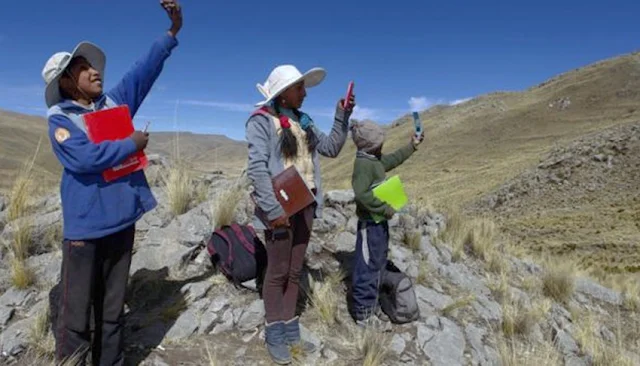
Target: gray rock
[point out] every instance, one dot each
(339, 198)
(154, 360)
(39, 225)
(310, 337)
(487, 309)
(157, 218)
(481, 354)
(15, 339)
(219, 303)
(157, 253)
(252, 316)
(190, 229)
(401, 256)
(185, 326)
(3, 202)
(316, 245)
(196, 291)
(442, 341)
(606, 334)
(394, 222)
(241, 352)
(343, 242)
(6, 313)
(568, 347)
(331, 221)
(329, 355)
(598, 292)
(46, 267)
(226, 324)
(398, 344)
(16, 298)
(352, 225)
(460, 275)
(430, 301)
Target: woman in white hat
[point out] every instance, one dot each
(98, 216)
(280, 135)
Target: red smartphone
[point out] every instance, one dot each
(348, 97)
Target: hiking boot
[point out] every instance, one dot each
(275, 339)
(292, 332)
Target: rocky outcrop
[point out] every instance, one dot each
(177, 300)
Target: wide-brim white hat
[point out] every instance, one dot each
(57, 63)
(283, 77)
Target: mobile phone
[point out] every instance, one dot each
(349, 93)
(417, 123)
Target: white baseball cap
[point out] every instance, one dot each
(57, 63)
(283, 77)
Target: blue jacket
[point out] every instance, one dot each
(91, 207)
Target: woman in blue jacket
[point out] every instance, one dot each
(99, 217)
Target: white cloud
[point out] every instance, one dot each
(361, 113)
(226, 106)
(460, 101)
(422, 103)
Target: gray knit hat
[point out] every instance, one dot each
(367, 136)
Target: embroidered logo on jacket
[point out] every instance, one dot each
(62, 134)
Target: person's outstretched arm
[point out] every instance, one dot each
(391, 161)
(137, 82)
(331, 145)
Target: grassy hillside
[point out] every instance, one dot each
(20, 135)
(473, 147)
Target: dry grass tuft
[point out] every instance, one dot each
(21, 244)
(40, 337)
(325, 299)
(372, 346)
(591, 342)
(224, 206)
(179, 189)
(480, 238)
(631, 294)
(516, 320)
(423, 273)
(22, 277)
(513, 353)
(22, 189)
(412, 239)
(558, 281)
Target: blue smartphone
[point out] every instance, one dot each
(417, 124)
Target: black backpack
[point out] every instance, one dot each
(238, 252)
(396, 295)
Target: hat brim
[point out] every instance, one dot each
(311, 78)
(94, 55)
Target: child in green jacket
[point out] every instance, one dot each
(372, 241)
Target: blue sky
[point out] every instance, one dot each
(401, 54)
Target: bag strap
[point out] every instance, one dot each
(243, 239)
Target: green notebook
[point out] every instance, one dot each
(391, 192)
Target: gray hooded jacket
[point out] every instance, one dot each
(265, 160)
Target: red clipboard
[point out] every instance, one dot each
(111, 125)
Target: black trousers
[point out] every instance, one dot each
(94, 273)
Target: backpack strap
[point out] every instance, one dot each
(264, 111)
(243, 239)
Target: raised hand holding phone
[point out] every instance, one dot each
(349, 102)
(417, 123)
